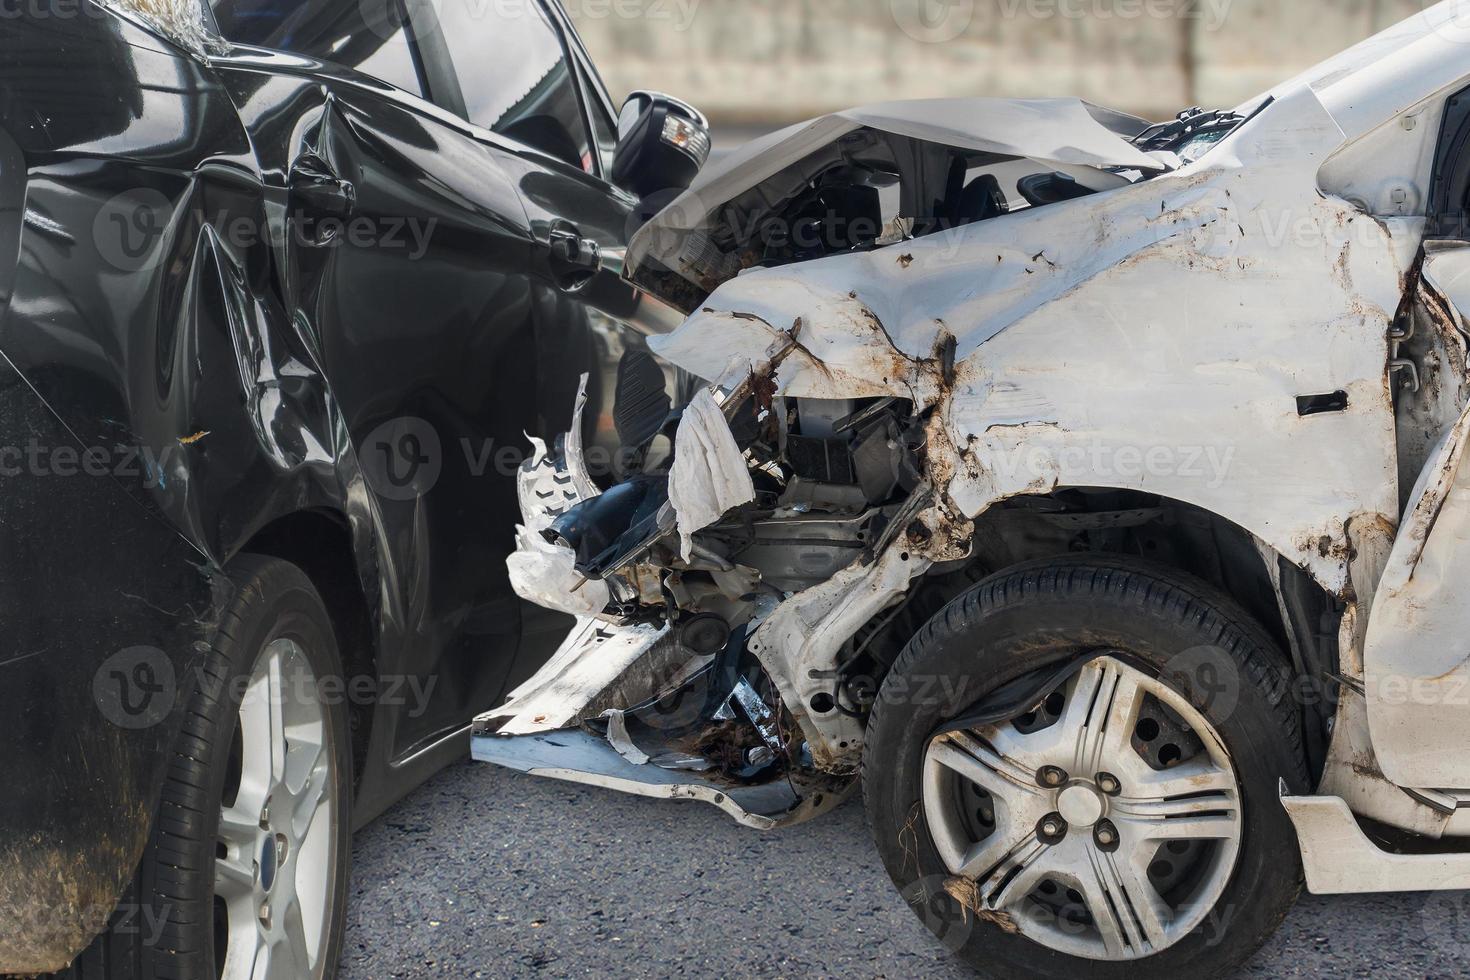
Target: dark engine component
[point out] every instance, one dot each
(822, 460)
(603, 529)
(1040, 190)
(643, 402)
(704, 634)
(839, 219)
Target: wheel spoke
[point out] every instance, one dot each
(263, 967)
(234, 876)
(1101, 714)
(1195, 801)
(1130, 915)
(308, 801)
(238, 829)
(256, 780)
(1194, 777)
(1017, 876)
(998, 774)
(1205, 826)
(277, 734)
(987, 855)
(295, 941)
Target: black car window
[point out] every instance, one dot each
(369, 36)
(515, 75)
(603, 126)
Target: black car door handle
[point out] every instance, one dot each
(320, 193)
(575, 252)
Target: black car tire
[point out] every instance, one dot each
(1038, 618)
(174, 935)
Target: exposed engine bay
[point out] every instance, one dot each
(743, 592)
(670, 604)
(866, 178)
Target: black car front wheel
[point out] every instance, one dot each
(245, 874)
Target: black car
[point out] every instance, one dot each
(285, 285)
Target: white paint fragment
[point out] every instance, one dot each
(709, 477)
(181, 21)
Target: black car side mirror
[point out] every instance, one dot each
(662, 144)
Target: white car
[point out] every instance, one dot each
(1088, 490)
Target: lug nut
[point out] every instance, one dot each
(1051, 829)
(265, 915)
(1051, 776)
(1109, 783)
(1106, 835)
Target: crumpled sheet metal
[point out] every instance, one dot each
(1417, 671)
(800, 642)
(1064, 132)
(709, 477)
(590, 660)
(1154, 337)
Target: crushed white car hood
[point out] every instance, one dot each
(1063, 132)
(1159, 314)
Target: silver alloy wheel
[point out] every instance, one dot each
(1104, 824)
(275, 866)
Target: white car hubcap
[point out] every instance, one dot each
(1105, 823)
(276, 856)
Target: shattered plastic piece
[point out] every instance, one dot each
(576, 461)
(546, 574)
(181, 21)
(709, 476)
(590, 659)
(618, 738)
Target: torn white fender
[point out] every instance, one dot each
(546, 574)
(709, 477)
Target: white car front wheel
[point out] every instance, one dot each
(1073, 770)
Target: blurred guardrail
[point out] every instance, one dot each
(771, 61)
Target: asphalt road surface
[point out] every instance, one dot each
(488, 873)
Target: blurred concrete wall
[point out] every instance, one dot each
(764, 61)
